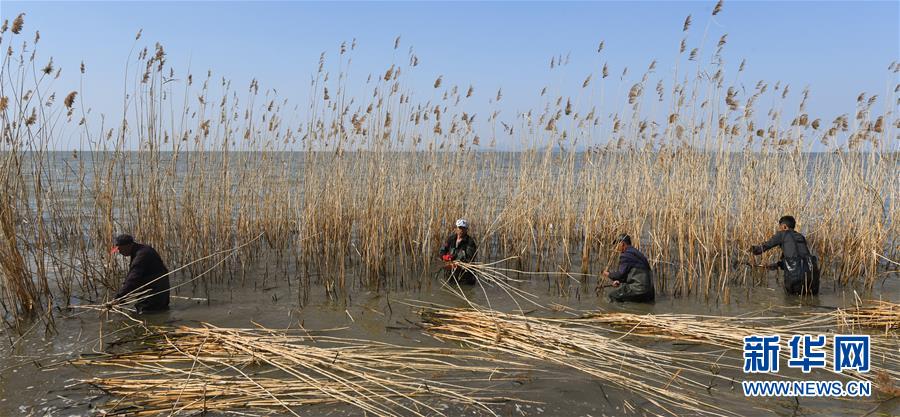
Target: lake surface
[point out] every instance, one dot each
(29, 385)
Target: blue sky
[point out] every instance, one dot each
(839, 49)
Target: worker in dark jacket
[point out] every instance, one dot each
(144, 274)
(634, 278)
(459, 247)
(801, 269)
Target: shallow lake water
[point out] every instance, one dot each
(34, 382)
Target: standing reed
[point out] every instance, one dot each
(194, 163)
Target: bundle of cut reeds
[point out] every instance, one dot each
(729, 332)
(875, 313)
(218, 369)
(668, 381)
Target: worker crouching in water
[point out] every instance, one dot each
(634, 278)
(459, 247)
(146, 273)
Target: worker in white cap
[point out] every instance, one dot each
(459, 247)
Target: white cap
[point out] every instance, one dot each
(462, 223)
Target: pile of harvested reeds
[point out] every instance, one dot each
(876, 313)
(729, 332)
(670, 382)
(219, 369)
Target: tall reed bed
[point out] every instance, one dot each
(690, 164)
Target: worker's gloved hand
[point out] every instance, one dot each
(616, 283)
(757, 250)
(447, 258)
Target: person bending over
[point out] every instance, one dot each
(801, 269)
(634, 278)
(146, 273)
(459, 247)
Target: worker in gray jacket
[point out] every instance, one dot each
(801, 269)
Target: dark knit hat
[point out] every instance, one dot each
(622, 238)
(123, 239)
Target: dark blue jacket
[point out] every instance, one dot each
(631, 258)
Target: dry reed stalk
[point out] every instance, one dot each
(190, 165)
(210, 368)
(729, 332)
(664, 379)
(492, 275)
(874, 313)
(579, 343)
